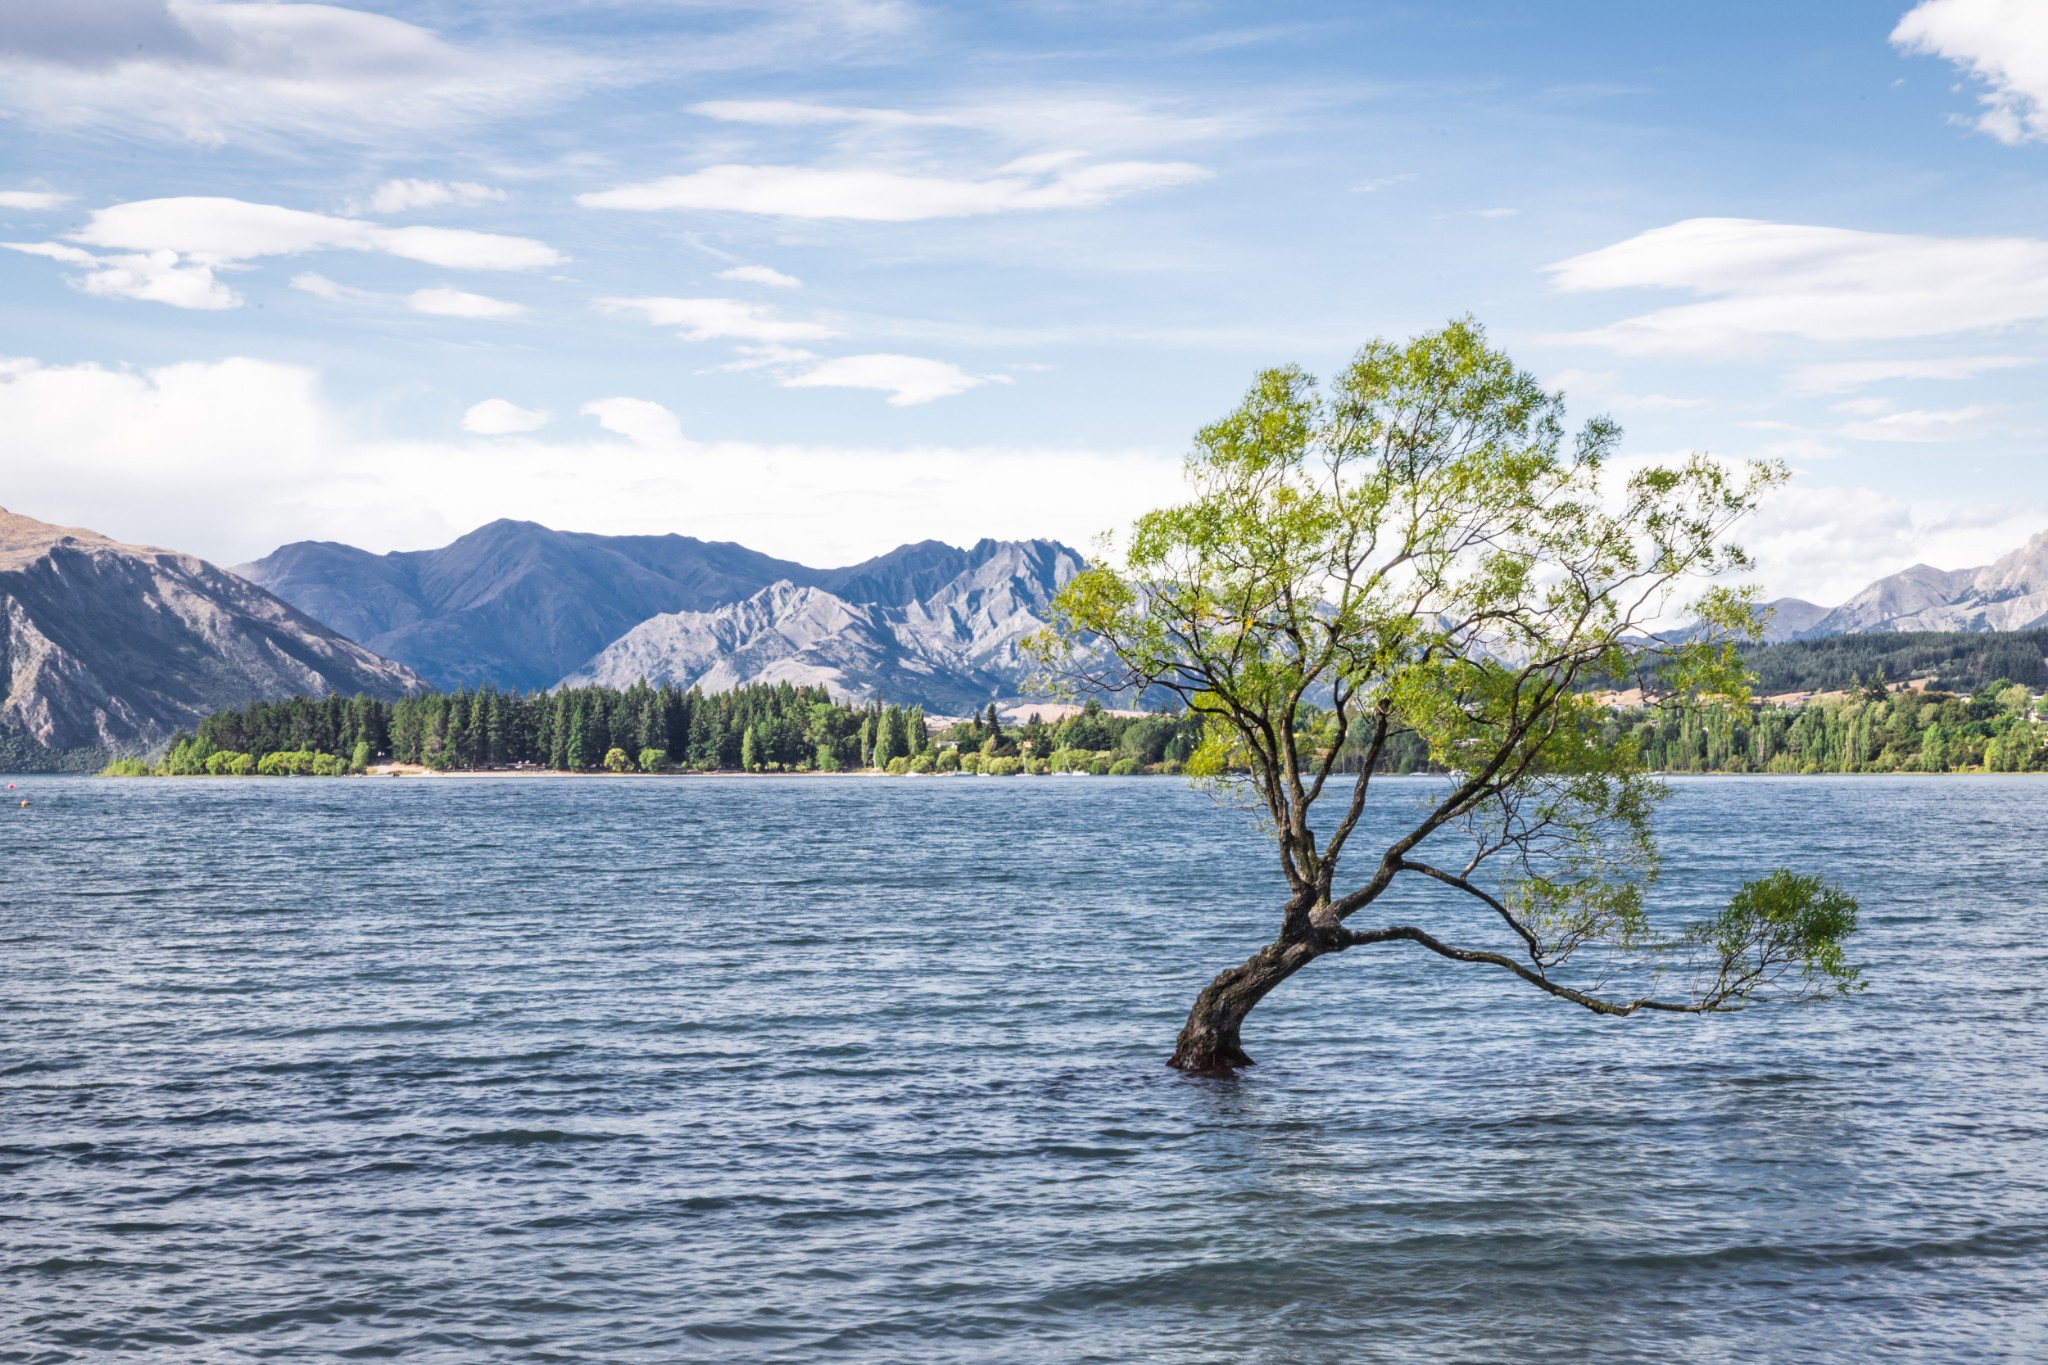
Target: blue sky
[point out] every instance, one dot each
(824, 277)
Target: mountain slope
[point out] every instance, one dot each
(520, 605)
(111, 647)
(2009, 594)
(511, 603)
(952, 651)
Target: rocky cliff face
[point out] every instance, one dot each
(112, 647)
(951, 650)
(511, 603)
(2010, 594)
(519, 605)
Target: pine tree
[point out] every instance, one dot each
(750, 751)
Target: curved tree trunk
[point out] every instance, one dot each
(1209, 1040)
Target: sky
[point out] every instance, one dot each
(826, 276)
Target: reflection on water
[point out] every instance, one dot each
(763, 1070)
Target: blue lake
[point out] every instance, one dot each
(651, 1070)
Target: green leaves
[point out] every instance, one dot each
(1416, 550)
(1780, 926)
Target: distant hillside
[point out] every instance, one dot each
(952, 646)
(1961, 661)
(2007, 595)
(519, 605)
(107, 648)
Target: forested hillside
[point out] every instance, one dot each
(1960, 661)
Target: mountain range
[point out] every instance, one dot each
(518, 605)
(106, 647)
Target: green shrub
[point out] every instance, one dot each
(922, 763)
(651, 760)
(1125, 767)
(972, 763)
(1098, 766)
(222, 762)
(359, 761)
(127, 767)
(1003, 767)
(243, 766)
(948, 761)
(898, 766)
(615, 761)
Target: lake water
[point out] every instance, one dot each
(552, 1070)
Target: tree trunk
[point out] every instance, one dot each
(1209, 1041)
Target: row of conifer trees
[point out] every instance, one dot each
(760, 726)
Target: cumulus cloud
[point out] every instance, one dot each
(760, 274)
(172, 247)
(32, 201)
(1768, 281)
(402, 196)
(230, 458)
(502, 417)
(1053, 181)
(2002, 43)
(716, 319)
(907, 379)
(455, 303)
(266, 72)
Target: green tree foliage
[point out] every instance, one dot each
(1418, 549)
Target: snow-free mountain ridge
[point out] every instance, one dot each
(519, 605)
(108, 648)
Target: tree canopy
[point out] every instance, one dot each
(1417, 548)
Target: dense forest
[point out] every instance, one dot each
(759, 728)
(1950, 660)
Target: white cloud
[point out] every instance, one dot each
(155, 276)
(502, 417)
(1922, 424)
(319, 286)
(1767, 281)
(401, 196)
(264, 72)
(644, 423)
(713, 319)
(907, 379)
(1827, 543)
(1052, 181)
(2004, 44)
(1374, 186)
(174, 246)
(761, 274)
(1843, 375)
(32, 201)
(454, 303)
(218, 229)
(1495, 213)
(1603, 389)
(229, 458)
(1035, 119)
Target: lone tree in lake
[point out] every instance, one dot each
(1418, 548)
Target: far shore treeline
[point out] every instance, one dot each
(643, 728)
(1869, 728)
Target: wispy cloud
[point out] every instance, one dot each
(1841, 376)
(502, 417)
(760, 274)
(402, 196)
(32, 201)
(2003, 44)
(1054, 181)
(214, 72)
(907, 379)
(719, 319)
(1766, 281)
